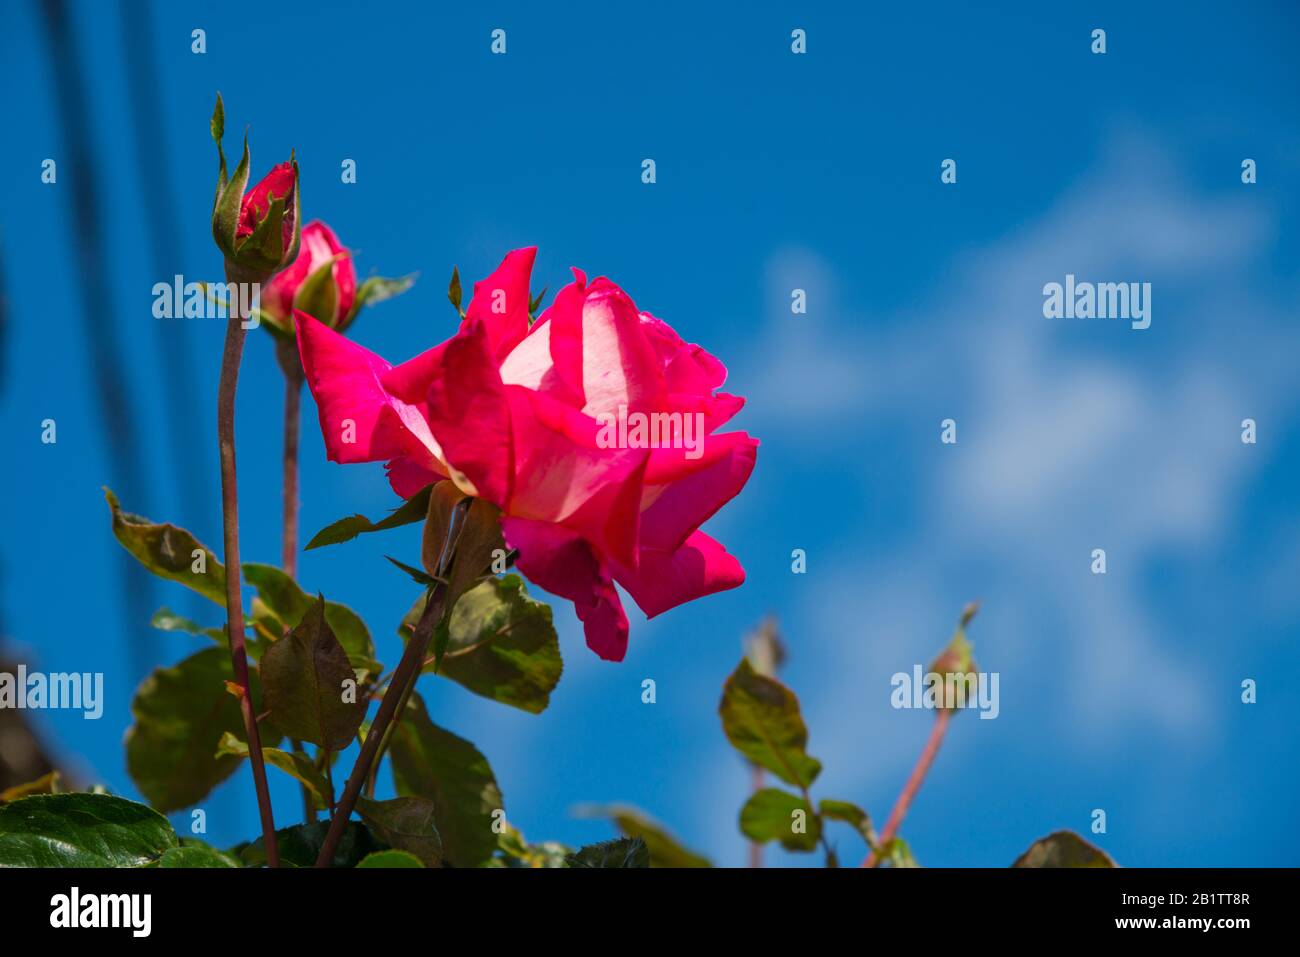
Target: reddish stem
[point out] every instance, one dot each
(913, 783)
(230, 360)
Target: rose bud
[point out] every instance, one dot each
(321, 282)
(257, 232)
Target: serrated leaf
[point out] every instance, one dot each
(168, 552)
(762, 721)
(501, 644)
(1064, 849)
(417, 576)
(306, 676)
(82, 830)
(299, 846)
(771, 814)
(196, 857)
(431, 762)
(180, 715)
(406, 823)
(412, 510)
(293, 763)
(289, 604)
(376, 289)
(620, 852)
(164, 619)
(850, 814)
(665, 850)
(390, 859)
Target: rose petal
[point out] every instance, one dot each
(359, 420)
(560, 561)
(666, 579)
(500, 302)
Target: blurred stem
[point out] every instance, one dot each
(289, 497)
(308, 805)
(408, 670)
(293, 377)
(913, 783)
(756, 784)
(230, 360)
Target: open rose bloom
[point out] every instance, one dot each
(519, 416)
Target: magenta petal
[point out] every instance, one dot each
(359, 420)
(563, 475)
(469, 414)
(681, 494)
(500, 302)
(560, 561)
(666, 579)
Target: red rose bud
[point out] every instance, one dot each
(321, 282)
(258, 233)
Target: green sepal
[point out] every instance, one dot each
(225, 215)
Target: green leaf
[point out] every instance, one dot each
(477, 542)
(390, 859)
(454, 290)
(895, 853)
(620, 852)
(378, 288)
(412, 510)
(196, 857)
(431, 762)
(300, 845)
(289, 604)
(308, 680)
(81, 830)
(850, 814)
(1064, 849)
(293, 763)
(762, 721)
(517, 852)
(407, 823)
(180, 715)
(169, 552)
(45, 784)
(775, 815)
(164, 619)
(665, 850)
(501, 644)
(537, 301)
(462, 539)
(419, 577)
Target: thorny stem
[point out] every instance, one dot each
(408, 669)
(913, 783)
(230, 359)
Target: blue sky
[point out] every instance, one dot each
(775, 171)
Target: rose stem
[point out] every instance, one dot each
(230, 359)
(289, 363)
(755, 848)
(913, 783)
(408, 669)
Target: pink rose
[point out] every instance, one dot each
(279, 183)
(594, 432)
(332, 303)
